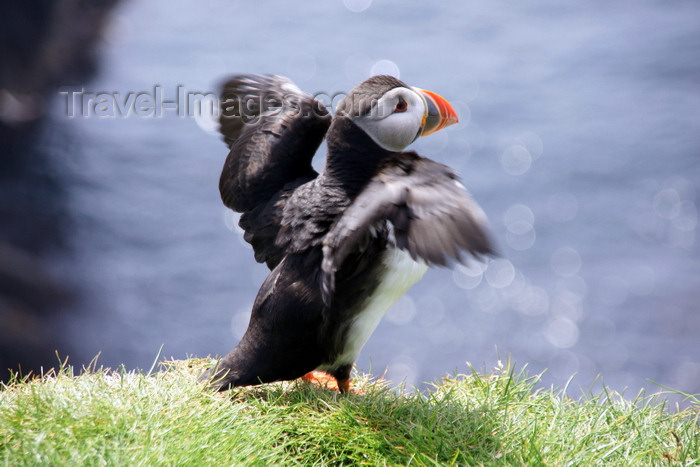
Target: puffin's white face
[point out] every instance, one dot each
(396, 119)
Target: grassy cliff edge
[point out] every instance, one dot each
(106, 417)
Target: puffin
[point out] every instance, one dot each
(342, 245)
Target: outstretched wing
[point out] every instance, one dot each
(273, 130)
(433, 216)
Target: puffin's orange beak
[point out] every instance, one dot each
(438, 112)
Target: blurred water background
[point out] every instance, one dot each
(579, 135)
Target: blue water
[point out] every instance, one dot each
(579, 136)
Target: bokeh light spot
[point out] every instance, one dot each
(574, 284)
(567, 304)
(385, 67)
(687, 218)
(357, 6)
(562, 332)
(403, 311)
(565, 262)
(516, 160)
(402, 369)
(500, 273)
(532, 142)
(519, 220)
(533, 301)
(563, 364)
(518, 213)
(667, 203)
(468, 276)
(520, 236)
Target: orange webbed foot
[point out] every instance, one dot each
(327, 381)
(321, 379)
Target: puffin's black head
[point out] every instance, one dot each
(360, 100)
(394, 114)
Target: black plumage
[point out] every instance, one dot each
(328, 238)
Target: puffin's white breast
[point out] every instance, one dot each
(401, 272)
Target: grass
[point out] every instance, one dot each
(106, 417)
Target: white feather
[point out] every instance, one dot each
(401, 273)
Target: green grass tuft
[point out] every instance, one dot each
(106, 417)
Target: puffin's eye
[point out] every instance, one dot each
(401, 105)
